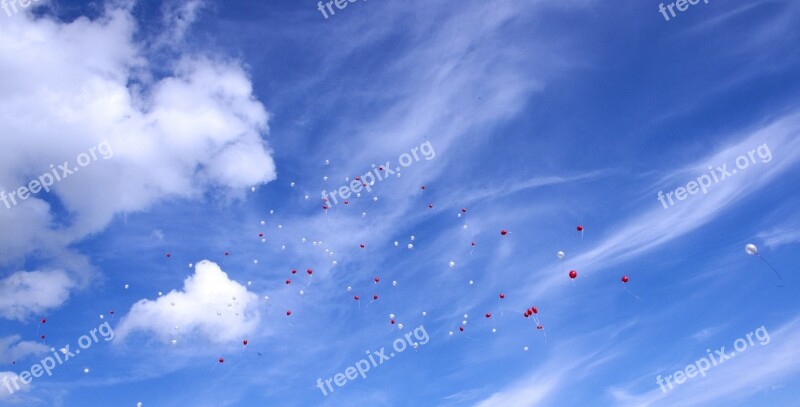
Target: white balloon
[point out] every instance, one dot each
(451, 333)
(391, 316)
(396, 243)
(424, 313)
(452, 264)
(394, 283)
(399, 326)
(410, 246)
(560, 255)
(525, 348)
(86, 370)
(751, 249)
(349, 289)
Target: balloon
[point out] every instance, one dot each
(221, 360)
(560, 254)
(394, 283)
(288, 313)
(355, 298)
(399, 326)
(377, 279)
(502, 296)
(430, 206)
(503, 232)
(751, 249)
(573, 274)
(580, 228)
(169, 255)
(288, 281)
(375, 297)
(244, 342)
(452, 264)
(461, 328)
(625, 279)
(488, 315)
(310, 272)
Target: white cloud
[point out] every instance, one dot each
(204, 294)
(11, 348)
(7, 381)
(33, 292)
(67, 87)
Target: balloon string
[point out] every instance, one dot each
(631, 293)
(773, 269)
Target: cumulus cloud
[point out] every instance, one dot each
(33, 292)
(175, 127)
(11, 348)
(7, 381)
(206, 293)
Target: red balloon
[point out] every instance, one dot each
(527, 314)
(624, 279)
(503, 232)
(226, 253)
(375, 297)
(44, 320)
(169, 255)
(391, 322)
(294, 271)
(288, 281)
(111, 312)
(324, 206)
(358, 178)
(423, 187)
(377, 279)
(310, 272)
(580, 228)
(42, 336)
(244, 342)
(488, 315)
(355, 298)
(539, 327)
(347, 202)
(502, 296)
(260, 235)
(534, 310)
(288, 313)
(362, 245)
(221, 360)
(461, 328)
(573, 274)
(473, 244)
(464, 210)
(430, 206)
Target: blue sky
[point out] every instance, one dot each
(214, 122)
